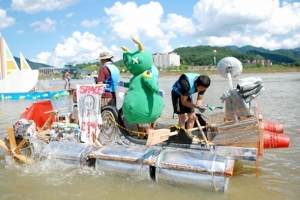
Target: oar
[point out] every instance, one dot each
(161, 135)
(3, 145)
(13, 146)
(22, 158)
(12, 138)
(21, 144)
(202, 133)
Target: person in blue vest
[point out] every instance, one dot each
(155, 73)
(183, 88)
(109, 75)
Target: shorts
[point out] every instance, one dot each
(177, 105)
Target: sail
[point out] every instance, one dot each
(8, 63)
(19, 81)
(23, 63)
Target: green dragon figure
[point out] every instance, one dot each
(142, 104)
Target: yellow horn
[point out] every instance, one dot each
(141, 48)
(125, 49)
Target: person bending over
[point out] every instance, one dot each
(183, 88)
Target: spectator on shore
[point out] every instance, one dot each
(74, 115)
(95, 79)
(67, 79)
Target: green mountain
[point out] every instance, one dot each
(279, 56)
(33, 65)
(203, 55)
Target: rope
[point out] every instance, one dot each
(126, 129)
(143, 133)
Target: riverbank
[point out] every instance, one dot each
(252, 70)
(245, 71)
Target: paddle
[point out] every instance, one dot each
(3, 145)
(13, 149)
(161, 135)
(202, 133)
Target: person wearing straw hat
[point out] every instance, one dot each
(109, 75)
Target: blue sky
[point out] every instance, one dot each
(58, 31)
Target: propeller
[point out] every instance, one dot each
(14, 149)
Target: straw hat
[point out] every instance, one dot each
(105, 55)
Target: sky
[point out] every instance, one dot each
(56, 32)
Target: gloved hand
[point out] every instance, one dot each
(161, 93)
(121, 83)
(200, 108)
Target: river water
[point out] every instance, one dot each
(279, 169)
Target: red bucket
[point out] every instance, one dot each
(272, 126)
(275, 140)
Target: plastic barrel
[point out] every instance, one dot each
(272, 126)
(275, 140)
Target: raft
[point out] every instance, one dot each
(204, 156)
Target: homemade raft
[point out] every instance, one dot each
(203, 156)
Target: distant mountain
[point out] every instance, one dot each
(202, 55)
(247, 48)
(276, 56)
(33, 65)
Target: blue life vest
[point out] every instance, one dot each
(191, 77)
(155, 73)
(112, 81)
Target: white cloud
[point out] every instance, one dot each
(128, 20)
(5, 21)
(261, 23)
(20, 31)
(246, 22)
(290, 43)
(34, 6)
(79, 47)
(47, 25)
(164, 46)
(90, 23)
(284, 20)
(179, 24)
(69, 15)
(43, 57)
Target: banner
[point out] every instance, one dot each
(89, 109)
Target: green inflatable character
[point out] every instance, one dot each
(142, 104)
